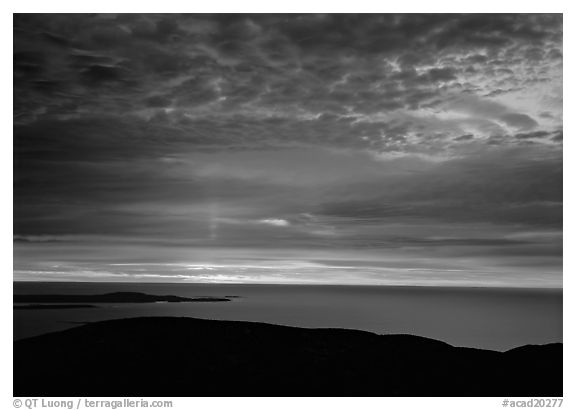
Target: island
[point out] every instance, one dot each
(52, 306)
(115, 297)
(177, 356)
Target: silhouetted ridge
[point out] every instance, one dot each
(169, 356)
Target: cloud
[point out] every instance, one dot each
(497, 187)
(179, 71)
(477, 107)
(518, 121)
(275, 222)
(346, 268)
(204, 131)
(465, 137)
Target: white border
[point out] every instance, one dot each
(292, 6)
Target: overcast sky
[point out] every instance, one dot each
(352, 149)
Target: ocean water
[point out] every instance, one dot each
(487, 318)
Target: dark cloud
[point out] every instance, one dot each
(465, 137)
(328, 63)
(501, 188)
(558, 136)
(192, 131)
(530, 135)
(519, 121)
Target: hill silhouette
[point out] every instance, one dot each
(171, 356)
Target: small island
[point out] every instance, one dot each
(37, 306)
(115, 297)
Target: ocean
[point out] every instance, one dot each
(486, 318)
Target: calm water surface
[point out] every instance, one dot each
(489, 318)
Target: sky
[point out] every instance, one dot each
(373, 149)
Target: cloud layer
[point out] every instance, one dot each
(435, 140)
